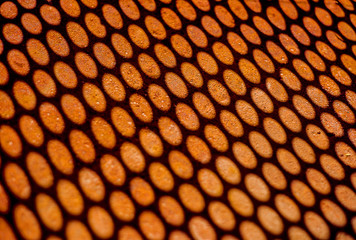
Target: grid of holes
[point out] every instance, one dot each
(251, 96)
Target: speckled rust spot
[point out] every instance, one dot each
(263, 26)
(186, 10)
(123, 122)
(250, 34)
(94, 24)
(10, 142)
(171, 18)
(73, 109)
(263, 61)
(211, 26)
(238, 9)
(200, 228)
(151, 142)
(216, 138)
(100, 222)
(277, 52)
(141, 108)
(130, 9)
(224, 16)
(86, 65)
(65, 75)
(249, 71)
(8, 10)
(317, 96)
(131, 76)
(12, 33)
(104, 55)
(219, 92)
(299, 33)
(304, 107)
(170, 131)
(103, 132)
(50, 14)
(149, 66)
(51, 118)
(94, 97)
(204, 106)
(237, 43)
(247, 112)
(4, 74)
(113, 87)
(132, 157)
(155, 27)
(303, 150)
(138, 36)
(26, 222)
(303, 69)
(44, 83)
(112, 16)
(207, 63)
(60, 156)
(165, 55)
(57, 43)
(17, 181)
(82, 146)
(91, 184)
(112, 170)
(18, 62)
(178, 235)
(176, 85)
(290, 119)
(181, 46)
(31, 131)
(234, 82)
(77, 34)
(289, 44)
(70, 7)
